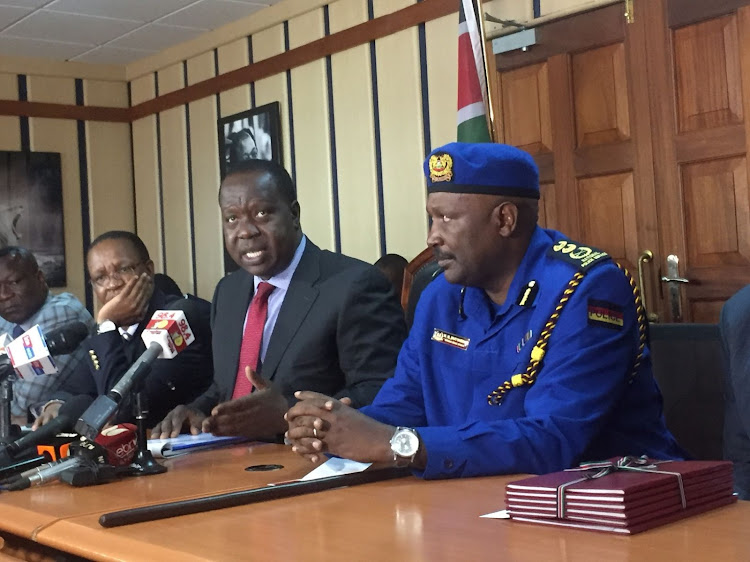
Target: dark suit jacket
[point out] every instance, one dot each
(735, 327)
(338, 332)
(171, 381)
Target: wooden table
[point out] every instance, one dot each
(405, 519)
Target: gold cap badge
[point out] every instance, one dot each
(441, 167)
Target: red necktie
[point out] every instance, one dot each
(252, 339)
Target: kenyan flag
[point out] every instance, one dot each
(472, 87)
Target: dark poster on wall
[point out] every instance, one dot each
(251, 135)
(31, 209)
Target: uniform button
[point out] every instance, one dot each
(448, 464)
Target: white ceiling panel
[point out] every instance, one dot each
(14, 46)
(112, 55)
(155, 37)
(10, 14)
(210, 14)
(111, 31)
(25, 3)
(70, 28)
(139, 10)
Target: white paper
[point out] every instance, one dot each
(335, 467)
(502, 514)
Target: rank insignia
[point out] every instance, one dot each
(528, 294)
(450, 339)
(583, 257)
(605, 314)
(526, 337)
(441, 167)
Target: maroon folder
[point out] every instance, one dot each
(622, 500)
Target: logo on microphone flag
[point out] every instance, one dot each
(29, 355)
(170, 329)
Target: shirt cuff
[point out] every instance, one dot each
(446, 453)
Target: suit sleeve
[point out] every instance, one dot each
(212, 395)
(583, 377)
(370, 332)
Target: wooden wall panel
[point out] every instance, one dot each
(706, 312)
(58, 135)
(442, 80)
(146, 173)
(312, 134)
(175, 191)
(526, 108)
(706, 60)
(204, 150)
(10, 131)
(600, 94)
(266, 44)
(717, 222)
(402, 150)
(231, 57)
(355, 144)
(110, 169)
(608, 215)
(548, 206)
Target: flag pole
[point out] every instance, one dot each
(490, 106)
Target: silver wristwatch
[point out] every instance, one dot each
(405, 445)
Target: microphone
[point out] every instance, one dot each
(31, 354)
(69, 412)
(66, 339)
(166, 334)
(115, 447)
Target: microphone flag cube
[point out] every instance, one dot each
(29, 355)
(170, 329)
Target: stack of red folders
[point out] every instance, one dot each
(622, 501)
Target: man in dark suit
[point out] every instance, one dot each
(735, 326)
(122, 276)
(328, 321)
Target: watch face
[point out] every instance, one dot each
(405, 443)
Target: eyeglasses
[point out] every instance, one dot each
(120, 273)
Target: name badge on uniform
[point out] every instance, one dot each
(450, 339)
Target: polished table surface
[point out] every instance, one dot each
(403, 519)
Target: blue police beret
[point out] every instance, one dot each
(487, 168)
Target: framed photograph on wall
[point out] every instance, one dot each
(251, 135)
(254, 134)
(31, 209)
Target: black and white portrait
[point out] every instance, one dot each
(31, 211)
(250, 135)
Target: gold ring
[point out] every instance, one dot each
(315, 432)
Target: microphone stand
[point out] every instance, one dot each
(7, 375)
(144, 463)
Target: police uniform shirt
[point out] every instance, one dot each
(584, 404)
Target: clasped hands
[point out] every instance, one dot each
(319, 423)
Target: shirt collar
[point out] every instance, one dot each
(282, 280)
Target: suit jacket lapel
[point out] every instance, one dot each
(299, 298)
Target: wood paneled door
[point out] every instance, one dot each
(640, 136)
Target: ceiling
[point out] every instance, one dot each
(110, 31)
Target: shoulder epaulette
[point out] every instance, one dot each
(582, 257)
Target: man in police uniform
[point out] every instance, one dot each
(527, 355)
